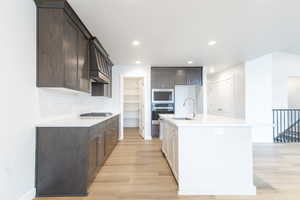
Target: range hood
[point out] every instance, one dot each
(100, 64)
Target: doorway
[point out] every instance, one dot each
(134, 105)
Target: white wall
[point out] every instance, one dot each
(258, 76)
(18, 99)
(267, 88)
(293, 92)
(226, 92)
(284, 66)
(121, 71)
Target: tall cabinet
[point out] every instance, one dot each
(65, 50)
(62, 46)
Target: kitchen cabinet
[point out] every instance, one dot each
(108, 139)
(111, 135)
(62, 47)
(162, 78)
(181, 76)
(70, 44)
(100, 151)
(83, 64)
(154, 79)
(194, 76)
(198, 156)
(92, 159)
(170, 146)
(68, 158)
(189, 76)
(168, 77)
(155, 131)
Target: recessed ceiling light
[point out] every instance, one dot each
(212, 43)
(136, 43)
(190, 62)
(138, 62)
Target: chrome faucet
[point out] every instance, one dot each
(194, 105)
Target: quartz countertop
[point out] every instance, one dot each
(76, 122)
(205, 120)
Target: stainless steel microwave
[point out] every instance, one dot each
(162, 95)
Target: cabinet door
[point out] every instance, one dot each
(115, 131)
(176, 155)
(70, 51)
(181, 77)
(155, 131)
(172, 78)
(107, 141)
(100, 145)
(167, 139)
(160, 78)
(83, 66)
(163, 132)
(194, 76)
(92, 169)
(155, 76)
(108, 138)
(165, 80)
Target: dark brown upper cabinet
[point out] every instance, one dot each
(194, 76)
(62, 47)
(168, 77)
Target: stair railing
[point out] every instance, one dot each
(286, 125)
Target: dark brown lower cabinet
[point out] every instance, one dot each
(92, 161)
(68, 158)
(100, 151)
(155, 131)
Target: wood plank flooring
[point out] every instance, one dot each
(137, 170)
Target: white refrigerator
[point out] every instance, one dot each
(182, 92)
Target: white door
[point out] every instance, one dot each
(141, 108)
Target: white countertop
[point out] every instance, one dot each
(76, 122)
(206, 120)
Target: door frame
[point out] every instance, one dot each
(122, 77)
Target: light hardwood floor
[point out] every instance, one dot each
(137, 170)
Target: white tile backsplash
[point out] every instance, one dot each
(56, 104)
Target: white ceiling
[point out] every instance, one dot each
(172, 32)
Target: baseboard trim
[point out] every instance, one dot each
(230, 191)
(28, 195)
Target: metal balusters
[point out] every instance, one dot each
(286, 125)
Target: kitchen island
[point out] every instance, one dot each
(209, 155)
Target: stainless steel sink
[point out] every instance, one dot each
(96, 115)
(182, 118)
